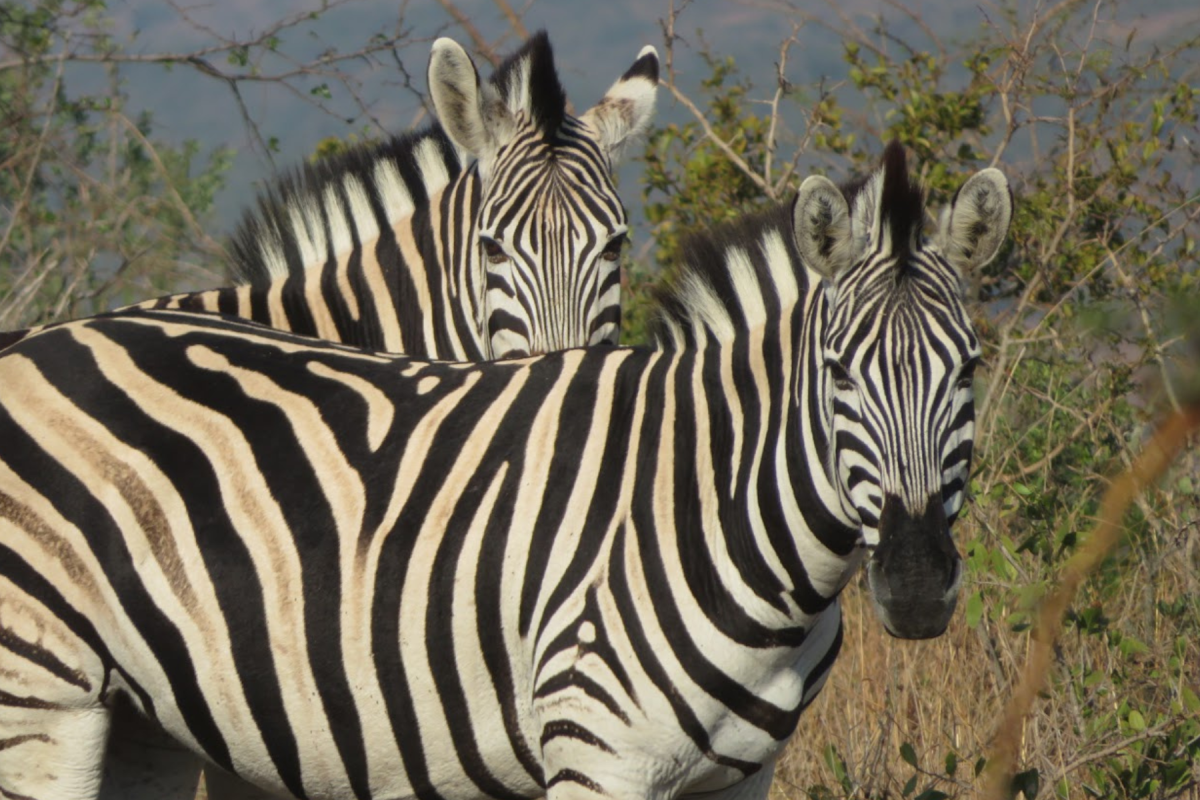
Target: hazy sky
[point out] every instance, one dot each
(594, 41)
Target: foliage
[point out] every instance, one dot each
(1089, 327)
(706, 188)
(96, 213)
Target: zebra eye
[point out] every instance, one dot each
(966, 375)
(841, 378)
(612, 250)
(494, 252)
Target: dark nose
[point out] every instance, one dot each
(914, 572)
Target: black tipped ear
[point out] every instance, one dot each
(625, 110)
(646, 66)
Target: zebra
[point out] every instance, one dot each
(494, 233)
(599, 572)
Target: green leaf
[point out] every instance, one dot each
(1137, 723)
(1130, 646)
(908, 787)
(951, 762)
(908, 754)
(835, 763)
(932, 794)
(974, 612)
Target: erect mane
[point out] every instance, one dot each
(300, 195)
(265, 246)
(709, 288)
(901, 202)
(723, 280)
(527, 80)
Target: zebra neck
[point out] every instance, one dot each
(448, 241)
(780, 546)
(832, 552)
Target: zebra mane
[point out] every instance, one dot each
(733, 277)
(265, 244)
(729, 278)
(891, 191)
(528, 81)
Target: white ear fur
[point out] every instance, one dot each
(823, 227)
(468, 109)
(626, 108)
(973, 227)
(864, 213)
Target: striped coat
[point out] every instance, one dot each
(598, 572)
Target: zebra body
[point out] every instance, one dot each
(494, 233)
(603, 572)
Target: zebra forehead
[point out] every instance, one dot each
(555, 203)
(926, 283)
(900, 326)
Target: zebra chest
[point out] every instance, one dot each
(645, 721)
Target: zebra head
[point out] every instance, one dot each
(897, 358)
(549, 227)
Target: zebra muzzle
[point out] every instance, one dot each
(915, 572)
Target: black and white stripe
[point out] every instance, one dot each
(494, 233)
(598, 572)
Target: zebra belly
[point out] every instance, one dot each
(327, 749)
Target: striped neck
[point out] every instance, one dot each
(751, 317)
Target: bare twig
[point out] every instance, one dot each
(721, 144)
(481, 44)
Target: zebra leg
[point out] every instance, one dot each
(223, 786)
(53, 722)
(144, 763)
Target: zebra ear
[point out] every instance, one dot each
(471, 113)
(864, 210)
(626, 108)
(821, 221)
(972, 228)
